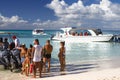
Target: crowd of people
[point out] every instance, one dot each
(36, 57)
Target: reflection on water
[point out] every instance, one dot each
(79, 52)
(84, 57)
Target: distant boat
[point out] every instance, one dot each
(73, 34)
(38, 32)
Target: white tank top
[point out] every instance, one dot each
(37, 53)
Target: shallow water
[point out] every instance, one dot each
(75, 52)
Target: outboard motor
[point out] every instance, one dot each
(118, 39)
(5, 58)
(15, 60)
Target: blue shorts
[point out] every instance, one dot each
(22, 59)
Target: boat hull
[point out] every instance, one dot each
(83, 38)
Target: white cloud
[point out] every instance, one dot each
(13, 19)
(94, 15)
(103, 15)
(14, 22)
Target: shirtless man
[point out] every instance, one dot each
(47, 54)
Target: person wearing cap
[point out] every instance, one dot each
(16, 41)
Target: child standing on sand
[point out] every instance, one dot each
(26, 65)
(61, 56)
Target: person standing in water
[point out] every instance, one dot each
(61, 56)
(47, 50)
(37, 56)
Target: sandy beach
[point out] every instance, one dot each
(73, 39)
(98, 74)
(101, 70)
(110, 74)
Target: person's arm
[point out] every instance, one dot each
(15, 43)
(64, 50)
(42, 53)
(59, 53)
(33, 50)
(52, 48)
(19, 48)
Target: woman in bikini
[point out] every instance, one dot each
(61, 56)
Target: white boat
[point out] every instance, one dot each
(71, 34)
(38, 32)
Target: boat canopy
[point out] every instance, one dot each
(93, 32)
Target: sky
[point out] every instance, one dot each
(54, 14)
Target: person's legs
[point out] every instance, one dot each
(23, 68)
(34, 70)
(49, 64)
(37, 65)
(40, 70)
(48, 58)
(60, 63)
(26, 71)
(44, 64)
(63, 64)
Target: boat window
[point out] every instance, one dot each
(79, 32)
(72, 32)
(86, 33)
(38, 31)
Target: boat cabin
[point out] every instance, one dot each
(81, 32)
(38, 30)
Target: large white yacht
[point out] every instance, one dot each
(73, 34)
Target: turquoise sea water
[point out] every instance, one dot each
(76, 53)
